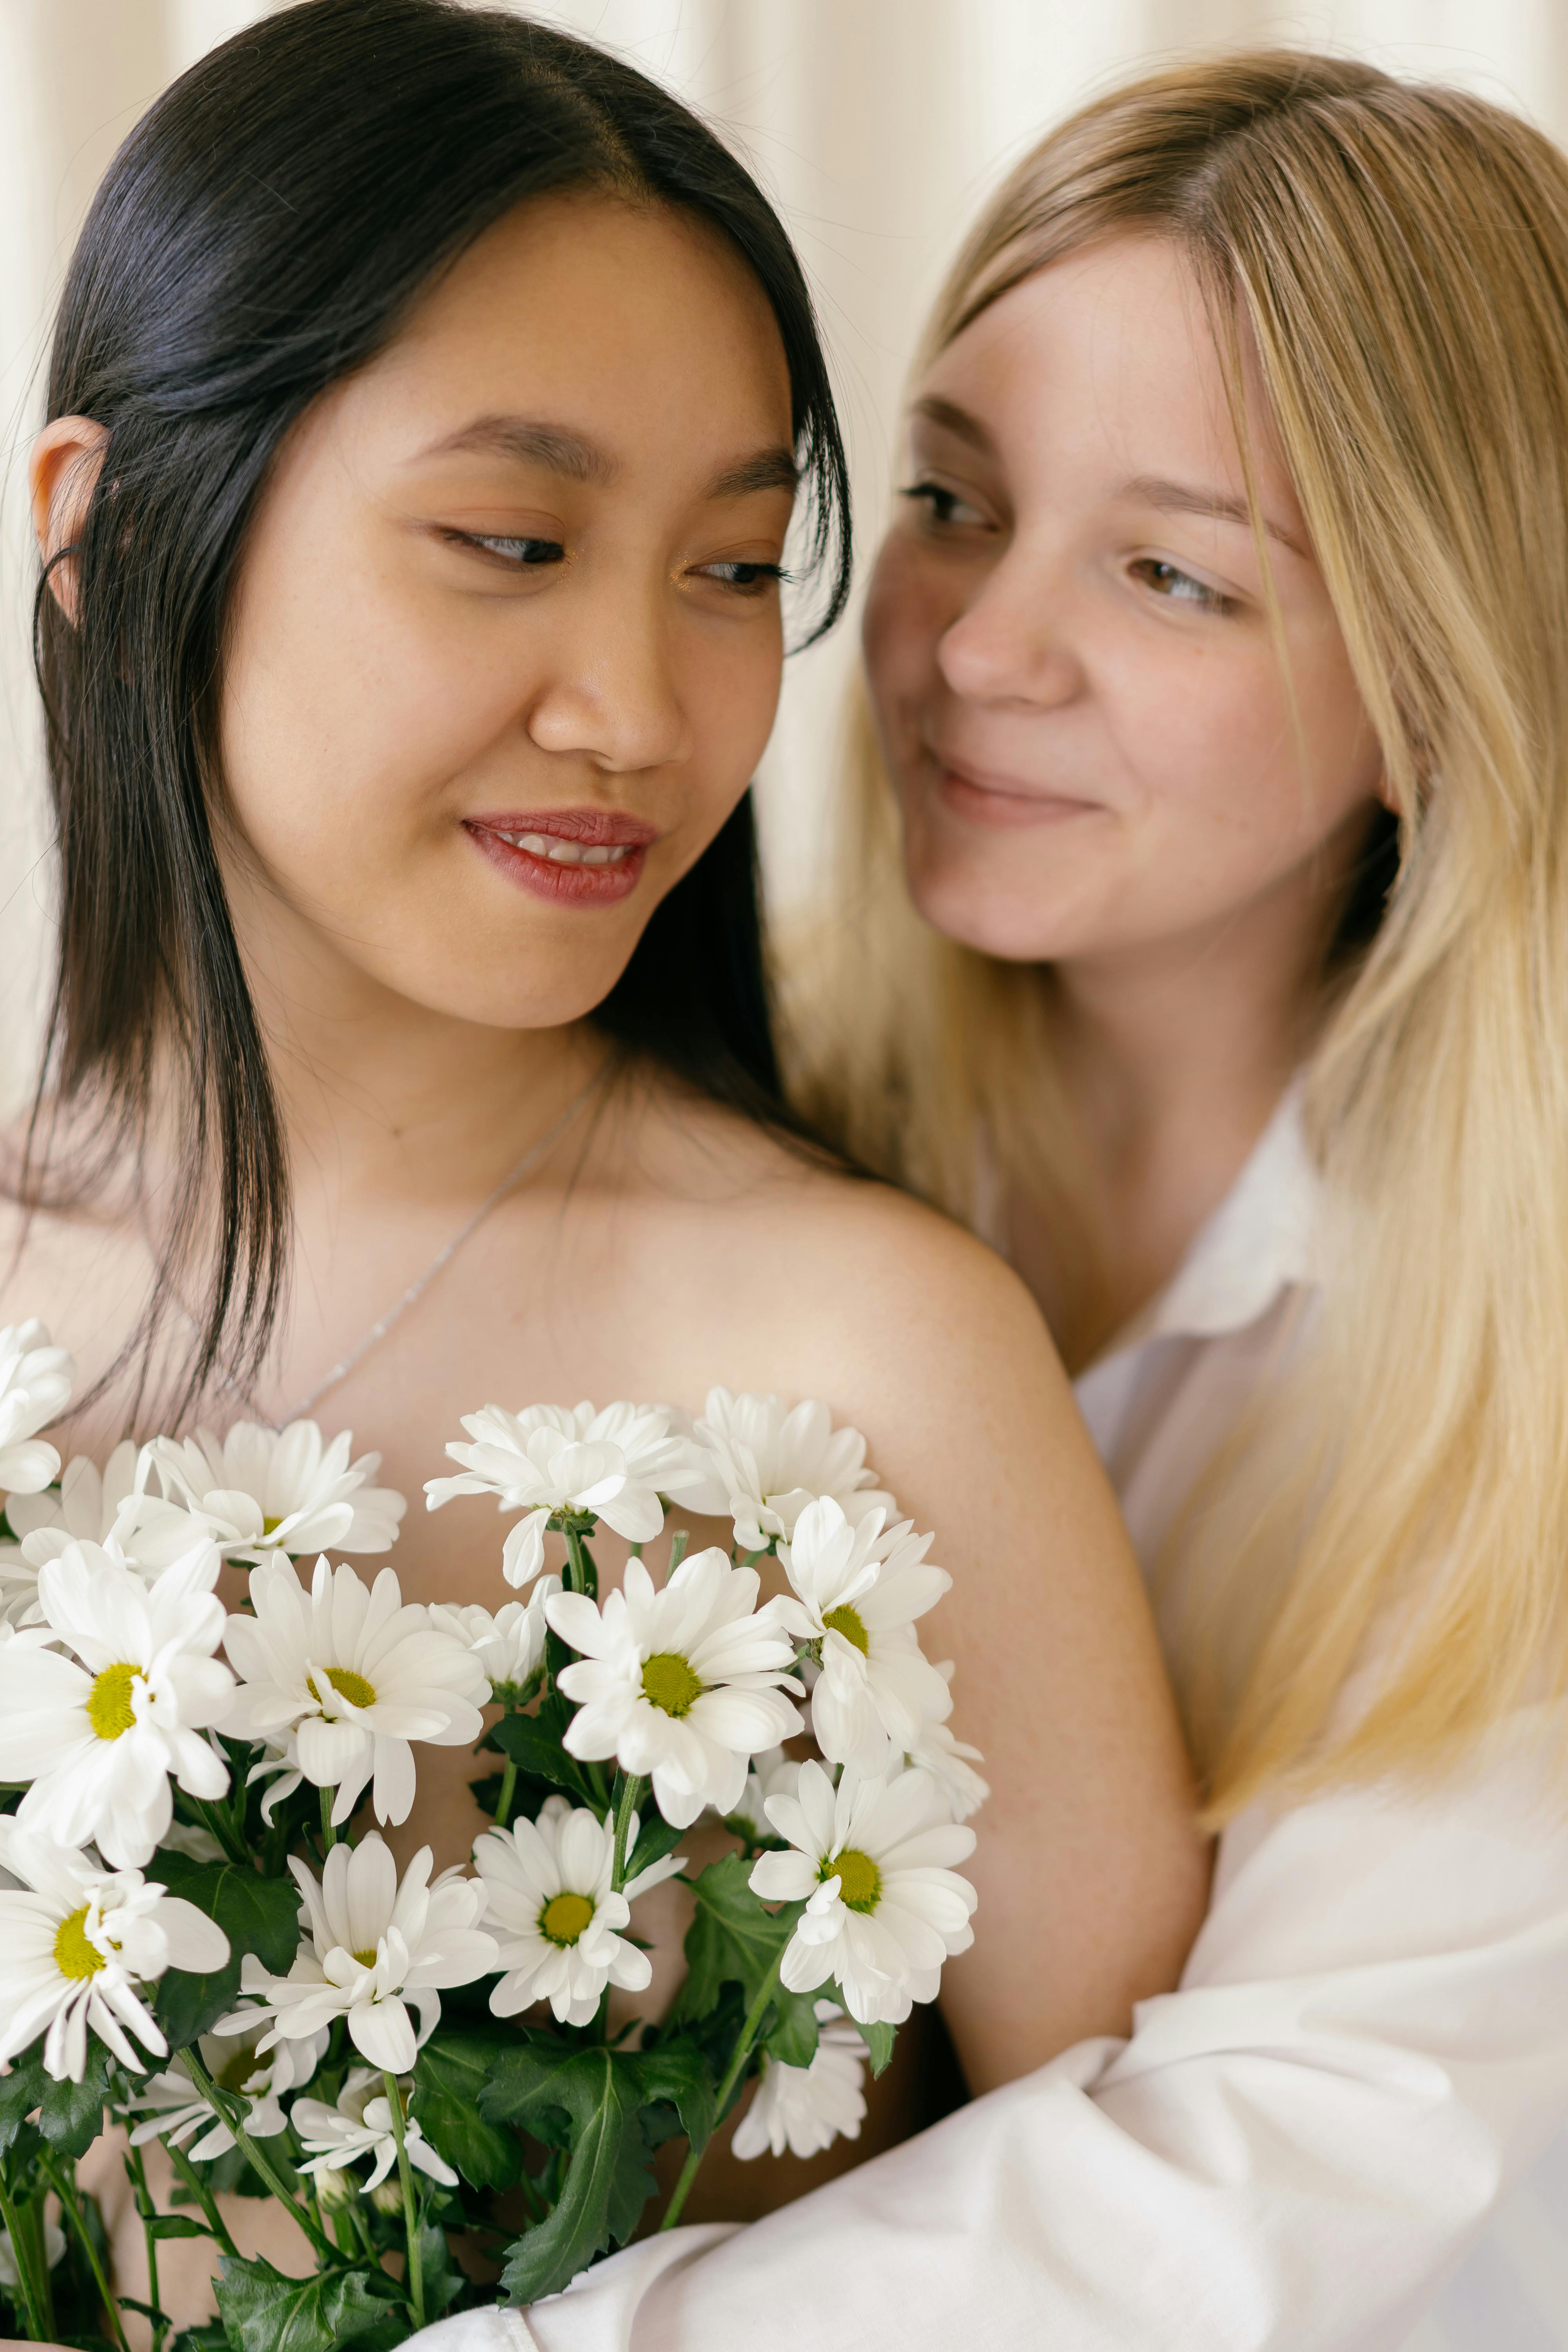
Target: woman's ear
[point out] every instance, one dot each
(62, 474)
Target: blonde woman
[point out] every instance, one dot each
(1218, 662)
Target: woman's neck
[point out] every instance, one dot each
(384, 1098)
(1174, 1057)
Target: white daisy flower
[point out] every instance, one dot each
(552, 1459)
(280, 1764)
(36, 1383)
(76, 1940)
(857, 1591)
(261, 1493)
(948, 1760)
(175, 2110)
(187, 1838)
(89, 1506)
(773, 1774)
(361, 2124)
(555, 1915)
(375, 1948)
(806, 2108)
(684, 1683)
(509, 1646)
(763, 1462)
(351, 1675)
(54, 2247)
(884, 1908)
(99, 1734)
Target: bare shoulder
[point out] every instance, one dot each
(83, 1274)
(817, 1282)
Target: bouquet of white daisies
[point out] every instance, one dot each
(206, 1941)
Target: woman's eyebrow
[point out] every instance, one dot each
(530, 441)
(534, 441)
(1186, 498)
(947, 415)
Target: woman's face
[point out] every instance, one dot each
(1074, 683)
(506, 642)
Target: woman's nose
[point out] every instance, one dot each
(1011, 642)
(613, 696)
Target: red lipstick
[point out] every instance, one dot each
(574, 857)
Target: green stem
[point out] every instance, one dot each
(410, 2215)
(741, 2051)
(204, 2197)
(582, 1576)
(35, 2223)
(219, 1825)
(222, 2105)
(631, 1792)
(507, 1791)
(678, 1543)
(66, 2191)
(149, 2213)
(329, 1834)
(23, 2249)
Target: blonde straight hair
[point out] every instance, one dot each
(1398, 255)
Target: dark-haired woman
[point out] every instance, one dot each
(426, 412)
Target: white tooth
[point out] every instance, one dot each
(597, 857)
(534, 843)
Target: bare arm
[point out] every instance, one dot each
(1092, 1877)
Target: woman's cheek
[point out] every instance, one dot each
(910, 605)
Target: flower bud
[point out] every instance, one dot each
(335, 2188)
(387, 2195)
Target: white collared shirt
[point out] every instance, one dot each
(1343, 2133)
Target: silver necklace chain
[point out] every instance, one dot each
(437, 1265)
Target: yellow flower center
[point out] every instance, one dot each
(74, 1956)
(564, 1917)
(667, 1682)
(271, 1526)
(365, 1959)
(108, 1707)
(847, 1620)
(239, 2069)
(348, 1684)
(860, 1880)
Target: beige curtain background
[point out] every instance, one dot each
(877, 125)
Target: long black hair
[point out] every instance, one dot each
(264, 229)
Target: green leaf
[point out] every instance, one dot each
(732, 1941)
(878, 2041)
(179, 2225)
(534, 2083)
(449, 2073)
(263, 2311)
(536, 1751)
(608, 2180)
(676, 2076)
(71, 2114)
(211, 2337)
(792, 2037)
(258, 1915)
(654, 1840)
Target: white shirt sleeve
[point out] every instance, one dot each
(1369, 2042)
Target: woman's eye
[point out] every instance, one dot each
(1179, 587)
(746, 579)
(941, 506)
(520, 551)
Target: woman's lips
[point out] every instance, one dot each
(1001, 804)
(575, 858)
